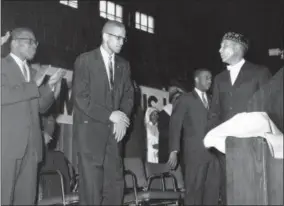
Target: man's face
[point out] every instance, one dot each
(25, 45)
(204, 80)
(227, 50)
(116, 39)
(154, 117)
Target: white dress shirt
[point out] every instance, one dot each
(200, 93)
(23, 65)
(235, 70)
(105, 55)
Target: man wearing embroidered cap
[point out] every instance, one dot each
(233, 87)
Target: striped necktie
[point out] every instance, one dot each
(110, 66)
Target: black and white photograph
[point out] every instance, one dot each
(142, 102)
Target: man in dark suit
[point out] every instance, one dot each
(103, 95)
(163, 126)
(23, 98)
(189, 120)
(234, 87)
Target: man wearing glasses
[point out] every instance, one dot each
(23, 98)
(103, 95)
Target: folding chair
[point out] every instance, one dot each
(138, 190)
(58, 183)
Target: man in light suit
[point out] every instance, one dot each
(188, 128)
(233, 87)
(103, 95)
(23, 98)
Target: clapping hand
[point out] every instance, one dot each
(5, 38)
(56, 77)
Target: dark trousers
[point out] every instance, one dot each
(19, 179)
(202, 183)
(101, 183)
(223, 177)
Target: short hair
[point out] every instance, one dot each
(200, 70)
(18, 31)
(173, 95)
(110, 24)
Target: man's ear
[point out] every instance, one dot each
(196, 79)
(105, 36)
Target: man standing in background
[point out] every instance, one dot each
(188, 121)
(103, 95)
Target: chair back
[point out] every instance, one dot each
(158, 168)
(136, 166)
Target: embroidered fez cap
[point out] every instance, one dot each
(237, 37)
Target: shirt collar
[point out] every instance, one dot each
(18, 60)
(105, 54)
(236, 66)
(199, 92)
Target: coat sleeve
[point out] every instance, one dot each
(15, 93)
(46, 98)
(176, 122)
(214, 111)
(83, 96)
(126, 103)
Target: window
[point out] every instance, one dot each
(110, 10)
(144, 22)
(71, 3)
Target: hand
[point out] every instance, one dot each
(172, 162)
(119, 130)
(119, 117)
(56, 77)
(47, 138)
(5, 38)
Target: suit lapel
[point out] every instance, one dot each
(16, 70)
(197, 97)
(101, 66)
(241, 75)
(117, 71)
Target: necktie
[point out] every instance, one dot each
(203, 97)
(25, 71)
(110, 71)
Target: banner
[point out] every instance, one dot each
(149, 97)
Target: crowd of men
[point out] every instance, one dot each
(103, 96)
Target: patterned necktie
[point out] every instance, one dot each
(110, 71)
(203, 97)
(25, 71)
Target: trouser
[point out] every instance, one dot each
(202, 183)
(223, 177)
(19, 179)
(101, 184)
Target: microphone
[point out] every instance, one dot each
(276, 52)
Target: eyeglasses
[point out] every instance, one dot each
(30, 41)
(118, 38)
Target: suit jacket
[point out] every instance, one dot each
(21, 104)
(94, 100)
(229, 99)
(269, 98)
(189, 120)
(163, 126)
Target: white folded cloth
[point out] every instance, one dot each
(245, 125)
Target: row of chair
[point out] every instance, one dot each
(145, 183)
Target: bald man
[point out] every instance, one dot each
(103, 95)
